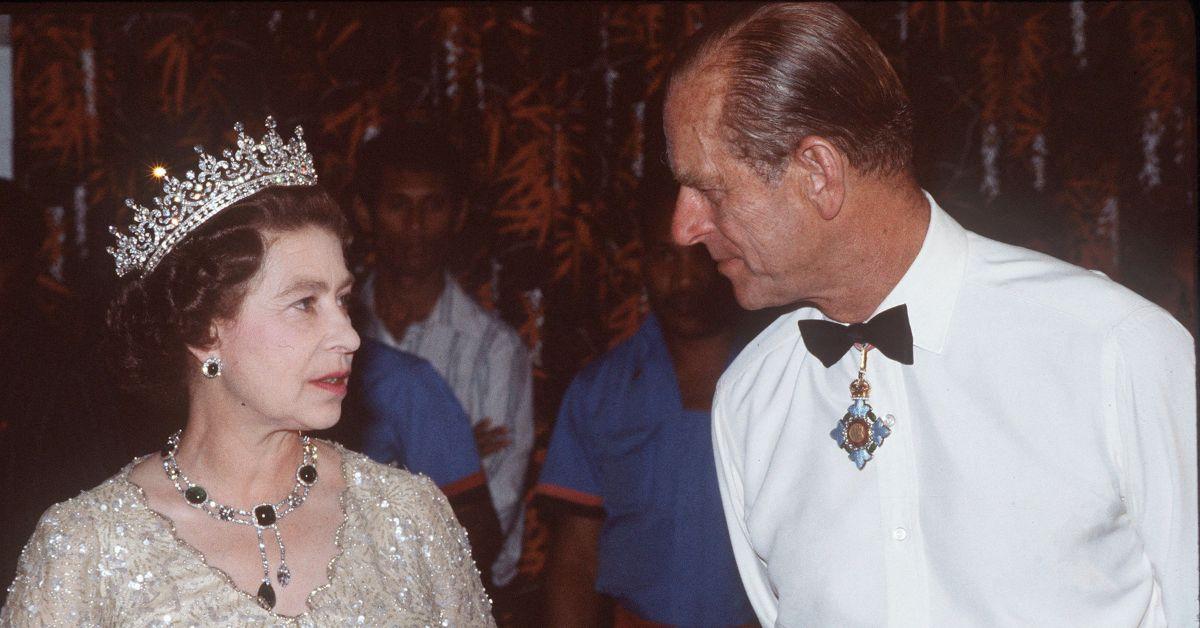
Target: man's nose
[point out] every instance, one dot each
(691, 221)
(413, 220)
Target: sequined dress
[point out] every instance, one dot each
(105, 558)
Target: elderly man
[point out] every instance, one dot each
(1011, 440)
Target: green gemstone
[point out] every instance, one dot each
(195, 495)
(264, 515)
(307, 474)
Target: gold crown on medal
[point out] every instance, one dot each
(187, 203)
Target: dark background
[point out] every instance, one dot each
(1069, 128)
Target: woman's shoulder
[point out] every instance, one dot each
(109, 501)
(73, 534)
(380, 482)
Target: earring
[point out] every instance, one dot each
(211, 367)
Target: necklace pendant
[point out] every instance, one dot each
(860, 432)
(284, 575)
(266, 595)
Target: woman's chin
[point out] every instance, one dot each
(318, 423)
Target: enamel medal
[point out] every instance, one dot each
(860, 432)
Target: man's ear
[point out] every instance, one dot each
(820, 171)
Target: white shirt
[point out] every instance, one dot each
(488, 368)
(1041, 470)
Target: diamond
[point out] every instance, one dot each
(284, 575)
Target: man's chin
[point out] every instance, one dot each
(691, 326)
(751, 297)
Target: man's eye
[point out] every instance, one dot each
(343, 300)
(305, 304)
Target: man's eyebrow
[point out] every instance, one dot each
(684, 177)
(690, 180)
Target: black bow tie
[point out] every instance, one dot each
(888, 331)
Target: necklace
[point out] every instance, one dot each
(261, 517)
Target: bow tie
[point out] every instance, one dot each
(888, 331)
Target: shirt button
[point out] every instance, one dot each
(899, 534)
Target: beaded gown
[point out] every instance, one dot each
(105, 558)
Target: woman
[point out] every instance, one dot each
(238, 301)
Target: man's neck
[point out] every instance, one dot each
(698, 363)
(403, 299)
(887, 235)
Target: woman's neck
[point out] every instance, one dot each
(240, 463)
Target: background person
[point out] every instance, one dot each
(1025, 452)
(412, 183)
(629, 473)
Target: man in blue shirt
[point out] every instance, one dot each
(399, 411)
(629, 474)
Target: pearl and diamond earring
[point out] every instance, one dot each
(211, 368)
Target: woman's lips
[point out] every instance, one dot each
(333, 382)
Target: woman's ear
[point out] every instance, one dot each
(209, 349)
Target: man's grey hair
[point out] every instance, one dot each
(795, 70)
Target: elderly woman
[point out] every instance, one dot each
(236, 297)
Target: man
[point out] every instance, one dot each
(401, 412)
(630, 469)
(411, 181)
(1018, 446)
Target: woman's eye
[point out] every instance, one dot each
(305, 304)
(344, 300)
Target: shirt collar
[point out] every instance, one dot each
(931, 284)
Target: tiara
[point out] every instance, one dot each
(216, 184)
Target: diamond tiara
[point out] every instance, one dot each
(218, 183)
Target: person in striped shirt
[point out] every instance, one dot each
(411, 182)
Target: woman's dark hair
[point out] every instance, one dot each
(153, 319)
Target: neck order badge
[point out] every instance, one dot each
(860, 432)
